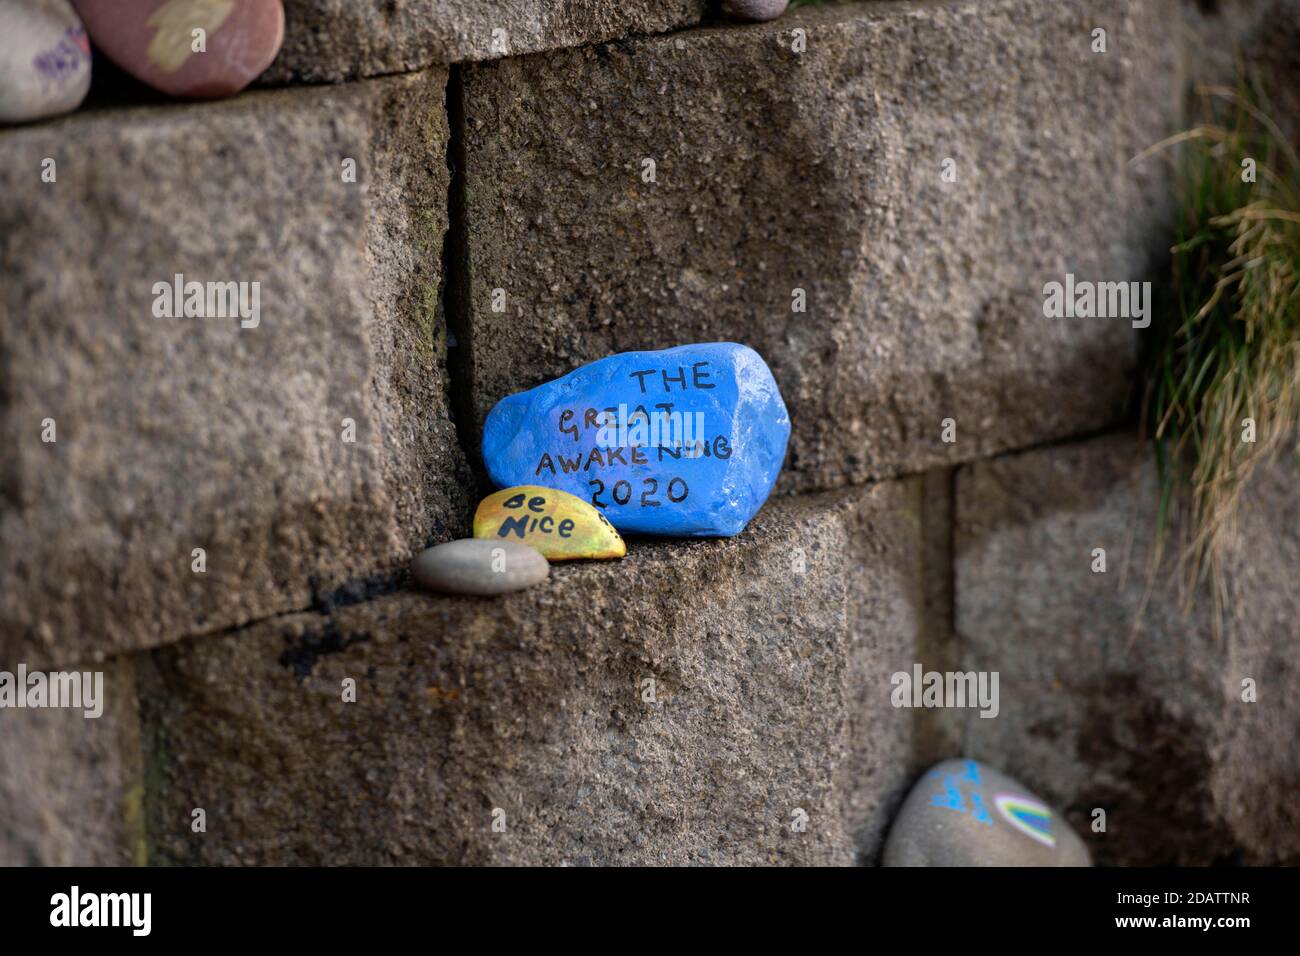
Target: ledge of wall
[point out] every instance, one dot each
(769, 656)
(332, 40)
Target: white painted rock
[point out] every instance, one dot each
(44, 59)
(475, 566)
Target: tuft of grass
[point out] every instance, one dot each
(1227, 347)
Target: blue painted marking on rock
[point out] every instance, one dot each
(685, 441)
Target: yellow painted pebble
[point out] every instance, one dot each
(559, 525)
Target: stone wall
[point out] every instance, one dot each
(685, 704)
(1114, 696)
(820, 171)
(173, 435)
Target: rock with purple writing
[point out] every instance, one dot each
(200, 49)
(44, 59)
(687, 441)
(962, 813)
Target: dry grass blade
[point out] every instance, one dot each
(1223, 385)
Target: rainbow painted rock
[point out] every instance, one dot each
(962, 813)
(559, 525)
(44, 59)
(156, 41)
(686, 441)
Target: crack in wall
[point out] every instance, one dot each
(456, 306)
(937, 733)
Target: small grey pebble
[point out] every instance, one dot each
(479, 566)
(754, 9)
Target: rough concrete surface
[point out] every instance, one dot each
(181, 433)
(678, 706)
(777, 170)
(1111, 696)
(71, 788)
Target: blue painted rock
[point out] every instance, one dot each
(687, 441)
(962, 813)
(200, 49)
(44, 59)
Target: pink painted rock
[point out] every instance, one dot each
(156, 41)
